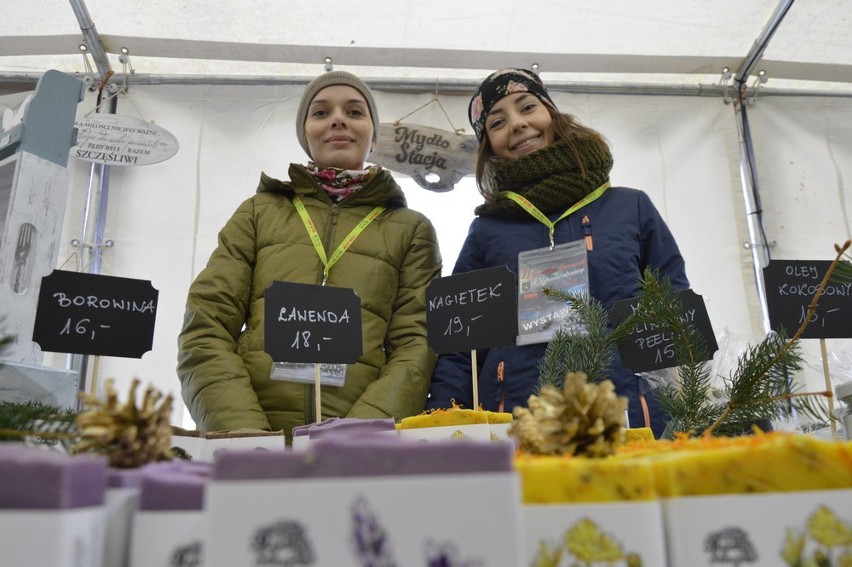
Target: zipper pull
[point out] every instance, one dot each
(502, 405)
(587, 232)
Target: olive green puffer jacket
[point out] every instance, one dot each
(223, 369)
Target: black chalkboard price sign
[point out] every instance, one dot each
(650, 347)
(790, 287)
(94, 314)
(311, 323)
(472, 310)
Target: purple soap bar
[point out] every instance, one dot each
(197, 468)
(390, 456)
(344, 426)
(241, 464)
(42, 478)
(124, 478)
(171, 487)
(345, 456)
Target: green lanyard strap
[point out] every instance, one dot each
(344, 246)
(542, 218)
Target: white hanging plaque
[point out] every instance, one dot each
(113, 139)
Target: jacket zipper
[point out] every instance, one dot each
(332, 228)
(500, 370)
(587, 232)
(329, 237)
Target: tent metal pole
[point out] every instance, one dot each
(93, 39)
(80, 363)
(448, 86)
(757, 244)
(91, 249)
(762, 41)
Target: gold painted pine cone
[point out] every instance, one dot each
(582, 418)
(130, 436)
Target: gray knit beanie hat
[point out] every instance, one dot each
(327, 80)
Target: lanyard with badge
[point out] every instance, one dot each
(330, 374)
(563, 267)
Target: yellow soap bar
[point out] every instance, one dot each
(755, 464)
(454, 416)
(638, 435)
(554, 479)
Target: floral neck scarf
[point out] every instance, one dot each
(340, 183)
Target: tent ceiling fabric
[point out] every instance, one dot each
(618, 41)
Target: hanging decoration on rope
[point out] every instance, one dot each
(117, 139)
(436, 159)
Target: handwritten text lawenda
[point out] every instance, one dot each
(95, 302)
(293, 314)
(470, 296)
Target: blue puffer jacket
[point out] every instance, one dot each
(628, 235)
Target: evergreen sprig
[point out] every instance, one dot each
(590, 352)
(765, 372)
(36, 421)
(760, 389)
(843, 271)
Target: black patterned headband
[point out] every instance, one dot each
(498, 85)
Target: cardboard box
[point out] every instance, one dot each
(63, 537)
(204, 448)
(404, 521)
(758, 530)
(165, 538)
(469, 432)
(595, 533)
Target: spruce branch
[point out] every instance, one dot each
(35, 421)
(590, 352)
(843, 272)
(660, 306)
(759, 389)
(785, 357)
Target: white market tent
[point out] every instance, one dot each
(739, 180)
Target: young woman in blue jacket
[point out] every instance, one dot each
(535, 164)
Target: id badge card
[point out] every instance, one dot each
(305, 372)
(565, 268)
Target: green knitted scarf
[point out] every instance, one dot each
(549, 178)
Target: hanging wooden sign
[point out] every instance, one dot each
(113, 139)
(435, 159)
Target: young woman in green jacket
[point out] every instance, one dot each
(228, 381)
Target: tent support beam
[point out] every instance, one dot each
(92, 38)
(76, 362)
(29, 80)
(760, 44)
(757, 244)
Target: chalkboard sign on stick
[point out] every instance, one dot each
(472, 310)
(790, 287)
(652, 348)
(93, 314)
(311, 323)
